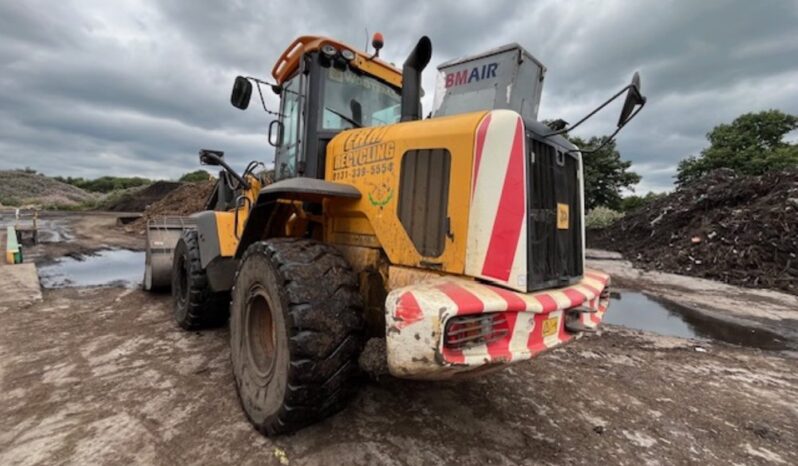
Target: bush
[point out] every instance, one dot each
(601, 217)
(630, 203)
(9, 201)
(105, 184)
(86, 205)
(196, 176)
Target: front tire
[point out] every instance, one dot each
(295, 333)
(196, 306)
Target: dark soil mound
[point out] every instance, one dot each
(187, 199)
(138, 200)
(741, 230)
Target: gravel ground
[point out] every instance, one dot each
(104, 376)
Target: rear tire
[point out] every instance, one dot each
(295, 333)
(196, 306)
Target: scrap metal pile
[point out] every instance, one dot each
(741, 230)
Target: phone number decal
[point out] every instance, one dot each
(361, 171)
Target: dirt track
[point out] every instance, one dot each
(102, 375)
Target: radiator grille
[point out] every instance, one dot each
(555, 253)
(424, 198)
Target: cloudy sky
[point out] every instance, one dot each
(90, 88)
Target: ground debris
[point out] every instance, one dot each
(741, 230)
(373, 359)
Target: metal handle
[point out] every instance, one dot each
(235, 216)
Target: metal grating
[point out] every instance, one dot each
(555, 255)
(424, 198)
(467, 331)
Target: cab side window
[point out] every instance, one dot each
(286, 154)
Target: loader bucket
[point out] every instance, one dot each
(162, 236)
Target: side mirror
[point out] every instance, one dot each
(242, 91)
(211, 157)
(275, 133)
(633, 99)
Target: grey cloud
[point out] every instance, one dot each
(136, 88)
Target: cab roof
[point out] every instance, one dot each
(288, 62)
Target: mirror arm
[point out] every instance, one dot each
(612, 136)
(224, 165)
(565, 130)
(258, 82)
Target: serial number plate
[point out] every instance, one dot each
(550, 326)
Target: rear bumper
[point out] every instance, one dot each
(417, 315)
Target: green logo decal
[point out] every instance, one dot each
(380, 195)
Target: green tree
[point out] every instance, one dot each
(750, 145)
(605, 173)
(629, 203)
(105, 184)
(195, 176)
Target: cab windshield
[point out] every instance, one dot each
(353, 100)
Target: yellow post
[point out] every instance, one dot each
(13, 255)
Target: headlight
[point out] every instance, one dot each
(348, 54)
(329, 50)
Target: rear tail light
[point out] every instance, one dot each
(467, 331)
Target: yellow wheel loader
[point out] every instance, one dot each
(431, 248)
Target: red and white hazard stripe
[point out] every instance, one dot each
(416, 318)
(496, 247)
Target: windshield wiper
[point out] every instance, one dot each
(344, 117)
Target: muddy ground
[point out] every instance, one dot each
(103, 375)
(74, 234)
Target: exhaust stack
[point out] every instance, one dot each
(411, 79)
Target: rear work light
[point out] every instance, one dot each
(573, 319)
(467, 331)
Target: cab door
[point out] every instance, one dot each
(292, 116)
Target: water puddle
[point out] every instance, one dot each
(635, 310)
(54, 231)
(111, 267)
(49, 230)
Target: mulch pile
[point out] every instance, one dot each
(20, 188)
(187, 199)
(741, 230)
(138, 200)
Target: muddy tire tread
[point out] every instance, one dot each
(206, 309)
(324, 322)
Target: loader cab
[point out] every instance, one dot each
(319, 101)
(326, 87)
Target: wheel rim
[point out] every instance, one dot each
(261, 338)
